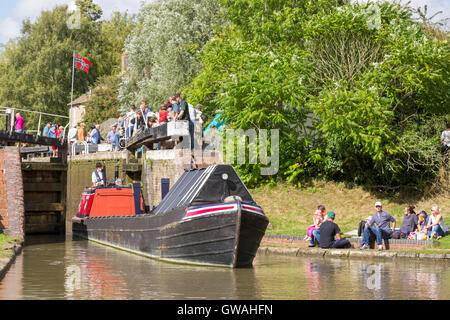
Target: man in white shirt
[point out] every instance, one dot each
(97, 176)
(192, 112)
(72, 135)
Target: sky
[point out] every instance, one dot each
(12, 12)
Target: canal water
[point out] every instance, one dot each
(53, 268)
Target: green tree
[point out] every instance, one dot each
(114, 33)
(379, 92)
(103, 104)
(353, 88)
(36, 68)
(89, 9)
(163, 48)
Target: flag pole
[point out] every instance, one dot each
(73, 75)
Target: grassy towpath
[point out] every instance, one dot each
(290, 210)
(5, 242)
(9, 247)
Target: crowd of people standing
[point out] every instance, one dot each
(138, 119)
(53, 130)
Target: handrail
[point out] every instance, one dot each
(38, 131)
(86, 146)
(32, 111)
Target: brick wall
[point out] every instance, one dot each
(11, 191)
(3, 208)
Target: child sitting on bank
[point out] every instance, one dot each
(421, 230)
(317, 220)
(422, 222)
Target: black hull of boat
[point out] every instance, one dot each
(226, 239)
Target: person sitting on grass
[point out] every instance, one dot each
(421, 229)
(317, 220)
(409, 224)
(434, 224)
(328, 231)
(422, 221)
(383, 229)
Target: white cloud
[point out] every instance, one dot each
(9, 28)
(109, 6)
(433, 6)
(33, 8)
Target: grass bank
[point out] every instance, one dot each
(5, 240)
(290, 209)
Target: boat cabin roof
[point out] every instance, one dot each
(206, 185)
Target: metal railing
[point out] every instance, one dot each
(74, 144)
(11, 112)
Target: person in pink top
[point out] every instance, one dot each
(317, 220)
(20, 123)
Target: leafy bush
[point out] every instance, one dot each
(351, 87)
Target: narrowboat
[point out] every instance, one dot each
(208, 217)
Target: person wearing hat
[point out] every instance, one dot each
(328, 232)
(383, 229)
(98, 176)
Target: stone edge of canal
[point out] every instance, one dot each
(349, 253)
(9, 253)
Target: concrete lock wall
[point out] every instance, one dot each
(170, 164)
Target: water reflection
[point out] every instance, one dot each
(99, 272)
(332, 278)
(65, 269)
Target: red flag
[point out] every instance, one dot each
(81, 63)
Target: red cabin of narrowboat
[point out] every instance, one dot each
(109, 201)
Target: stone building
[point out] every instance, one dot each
(78, 109)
